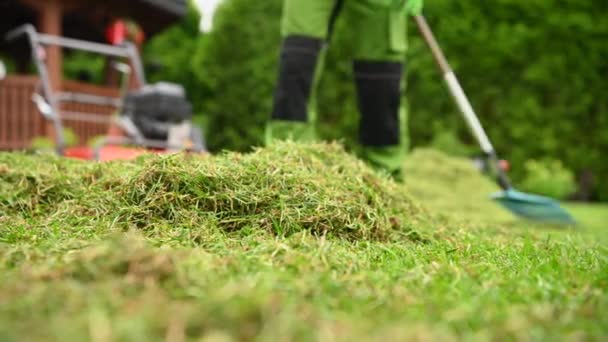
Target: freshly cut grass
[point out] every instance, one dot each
(36, 184)
(286, 189)
(453, 187)
(288, 243)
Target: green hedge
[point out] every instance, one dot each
(536, 72)
(238, 62)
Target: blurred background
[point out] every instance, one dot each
(536, 72)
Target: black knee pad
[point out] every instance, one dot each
(379, 98)
(298, 62)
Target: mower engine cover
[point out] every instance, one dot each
(154, 108)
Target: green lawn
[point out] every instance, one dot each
(290, 243)
(590, 216)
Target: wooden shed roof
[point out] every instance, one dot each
(87, 19)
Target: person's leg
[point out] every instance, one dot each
(382, 116)
(378, 67)
(305, 27)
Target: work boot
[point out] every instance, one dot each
(387, 159)
(298, 62)
(379, 99)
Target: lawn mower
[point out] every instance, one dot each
(147, 117)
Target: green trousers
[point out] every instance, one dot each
(380, 25)
(381, 30)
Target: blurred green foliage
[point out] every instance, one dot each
(9, 64)
(84, 66)
(535, 72)
(549, 178)
(238, 62)
(45, 143)
(42, 143)
(446, 141)
(170, 56)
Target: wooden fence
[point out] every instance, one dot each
(20, 121)
(86, 130)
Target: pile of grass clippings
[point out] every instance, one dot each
(284, 189)
(453, 187)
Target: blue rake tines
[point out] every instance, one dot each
(534, 207)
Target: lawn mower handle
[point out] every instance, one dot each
(19, 31)
(462, 101)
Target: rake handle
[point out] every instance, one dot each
(432, 43)
(461, 99)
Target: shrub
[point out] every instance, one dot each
(447, 141)
(549, 178)
(237, 62)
